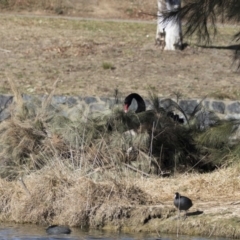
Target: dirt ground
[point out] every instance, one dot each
(94, 57)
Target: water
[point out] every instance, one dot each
(33, 232)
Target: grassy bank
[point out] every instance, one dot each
(55, 170)
(130, 204)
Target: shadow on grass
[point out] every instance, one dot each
(230, 47)
(236, 54)
(194, 213)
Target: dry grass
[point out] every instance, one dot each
(77, 175)
(87, 8)
(81, 179)
(42, 50)
(216, 194)
(218, 187)
(61, 196)
(58, 195)
(38, 132)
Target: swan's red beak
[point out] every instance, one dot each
(126, 108)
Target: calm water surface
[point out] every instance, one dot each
(27, 232)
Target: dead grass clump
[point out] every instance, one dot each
(88, 199)
(36, 205)
(7, 190)
(20, 140)
(57, 195)
(25, 140)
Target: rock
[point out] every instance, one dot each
(57, 229)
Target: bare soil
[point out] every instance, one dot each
(94, 57)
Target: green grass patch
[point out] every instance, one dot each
(107, 65)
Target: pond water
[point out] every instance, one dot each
(28, 232)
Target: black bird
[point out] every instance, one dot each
(141, 107)
(182, 203)
(57, 229)
(175, 117)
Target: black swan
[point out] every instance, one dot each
(140, 102)
(182, 203)
(141, 106)
(57, 229)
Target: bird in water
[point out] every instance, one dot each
(57, 229)
(182, 203)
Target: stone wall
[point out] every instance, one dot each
(72, 104)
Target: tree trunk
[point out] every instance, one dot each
(169, 32)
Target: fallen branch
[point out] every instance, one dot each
(136, 170)
(24, 186)
(5, 50)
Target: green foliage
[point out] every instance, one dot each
(150, 141)
(203, 15)
(108, 65)
(220, 143)
(216, 136)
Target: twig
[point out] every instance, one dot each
(98, 151)
(110, 192)
(5, 50)
(151, 145)
(82, 147)
(46, 102)
(15, 90)
(211, 233)
(24, 186)
(151, 148)
(195, 164)
(136, 170)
